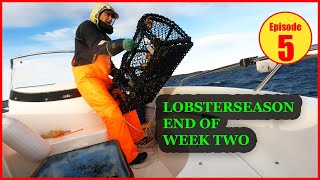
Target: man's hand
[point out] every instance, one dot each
(129, 44)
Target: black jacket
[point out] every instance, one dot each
(89, 42)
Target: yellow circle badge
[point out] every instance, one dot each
(285, 37)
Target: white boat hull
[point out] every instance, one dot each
(284, 148)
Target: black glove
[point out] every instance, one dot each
(114, 72)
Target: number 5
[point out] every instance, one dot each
(289, 45)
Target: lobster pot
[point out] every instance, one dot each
(23, 140)
(162, 45)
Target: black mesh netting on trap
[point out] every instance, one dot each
(162, 45)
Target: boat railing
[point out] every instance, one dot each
(39, 53)
(30, 55)
(245, 62)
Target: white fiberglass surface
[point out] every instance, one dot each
(284, 148)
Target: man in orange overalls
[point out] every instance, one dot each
(92, 66)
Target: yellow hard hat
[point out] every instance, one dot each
(98, 9)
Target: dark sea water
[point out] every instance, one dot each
(300, 78)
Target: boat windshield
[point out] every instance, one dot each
(40, 70)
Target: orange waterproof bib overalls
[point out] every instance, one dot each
(93, 82)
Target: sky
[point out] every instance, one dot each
(222, 33)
